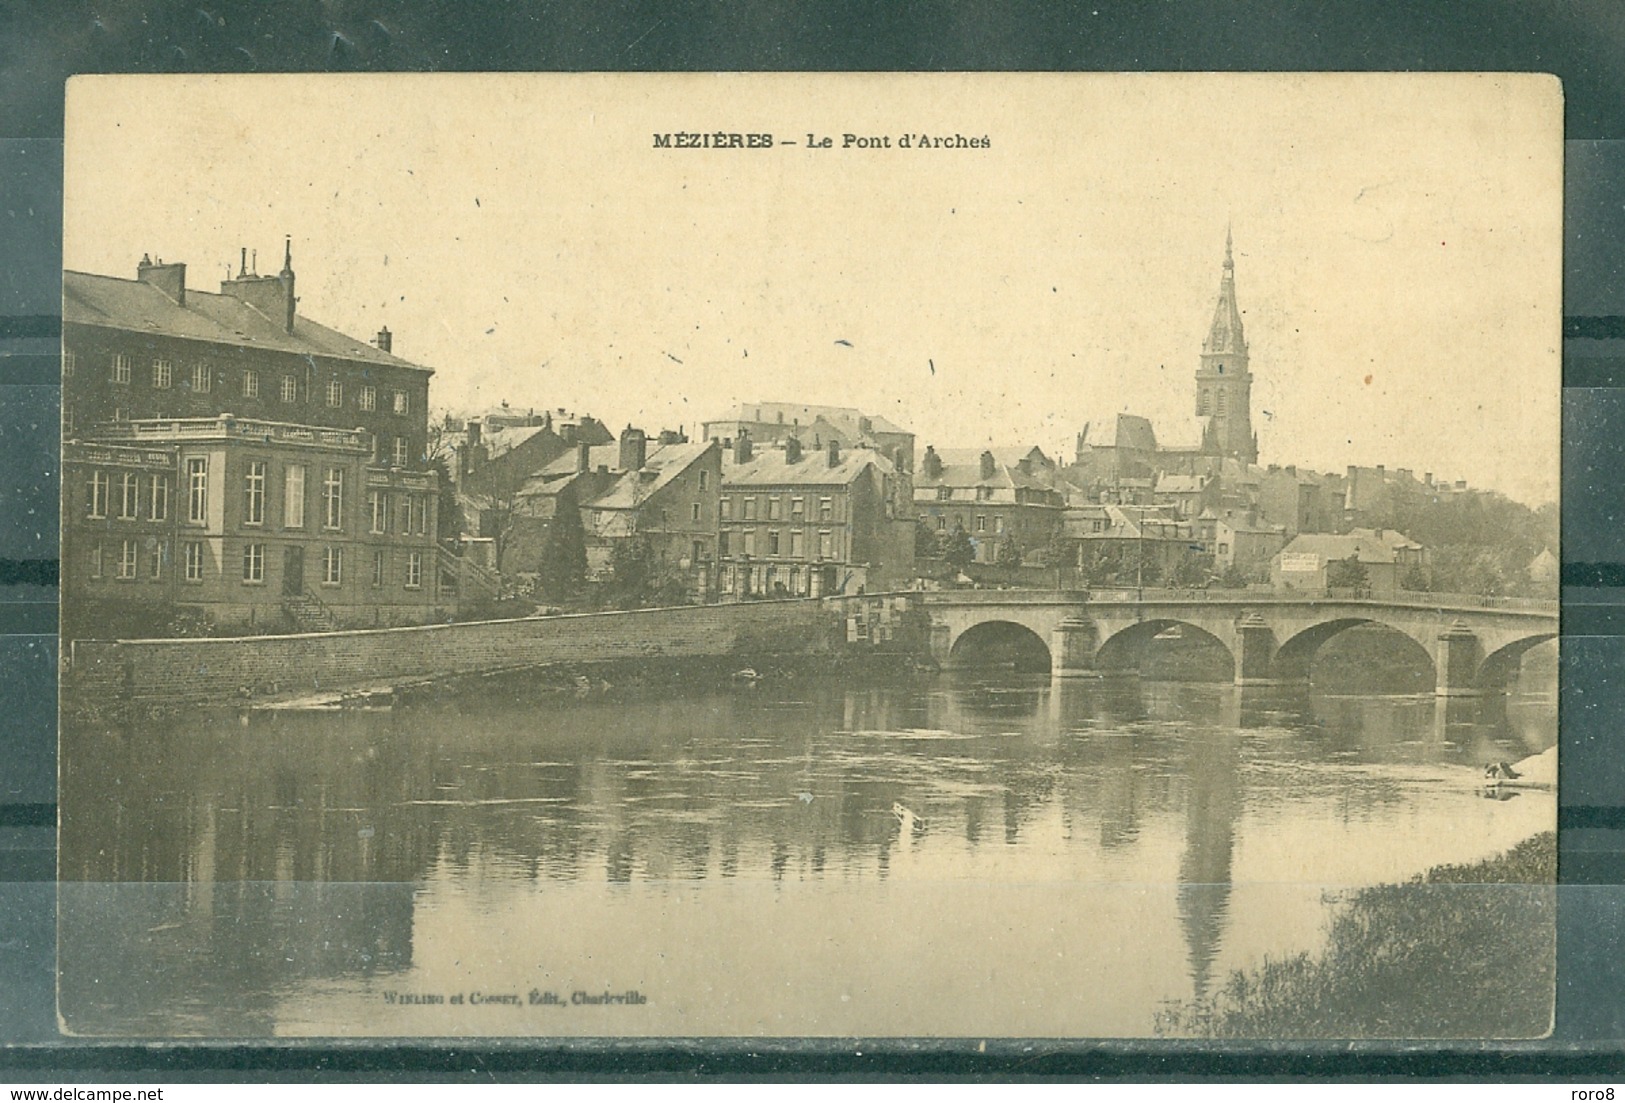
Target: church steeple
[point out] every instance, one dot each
(1223, 384)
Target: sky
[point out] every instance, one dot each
(1397, 244)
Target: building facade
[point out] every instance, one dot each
(1004, 499)
(797, 522)
(247, 526)
(231, 466)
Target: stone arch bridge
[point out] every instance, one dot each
(1476, 644)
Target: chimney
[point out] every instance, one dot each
(1461, 484)
(583, 458)
(866, 425)
(272, 296)
(634, 449)
(1381, 471)
(384, 340)
(1353, 472)
(742, 446)
(989, 465)
(1427, 477)
(168, 278)
(931, 465)
(1291, 469)
(792, 450)
(834, 452)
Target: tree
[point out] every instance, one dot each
(1347, 573)
(957, 550)
(1415, 578)
(564, 553)
(926, 545)
(1007, 551)
(632, 574)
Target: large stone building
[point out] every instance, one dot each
(1003, 498)
(800, 522)
(232, 464)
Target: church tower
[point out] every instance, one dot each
(1223, 384)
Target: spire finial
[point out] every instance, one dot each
(1229, 261)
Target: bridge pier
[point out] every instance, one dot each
(941, 643)
(1457, 662)
(1255, 651)
(1072, 648)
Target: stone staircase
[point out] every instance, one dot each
(309, 613)
(468, 581)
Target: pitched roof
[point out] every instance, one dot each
(662, 464)
(1120, 431)
(769, 467)
(843, 418)
(1365, 544)
(135, 305)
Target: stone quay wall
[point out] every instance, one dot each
(227, 669)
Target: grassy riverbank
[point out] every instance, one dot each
(1459, 952)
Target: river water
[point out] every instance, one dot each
(957, 854)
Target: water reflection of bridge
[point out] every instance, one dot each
(1476, 646)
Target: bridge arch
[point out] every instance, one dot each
(1001, 642)
(1125, 648)
(1500, 665)
(1296, 655)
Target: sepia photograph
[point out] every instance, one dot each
(970, 556)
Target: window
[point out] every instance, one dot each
(377, 568)
(129, 496)
(403, 402)
(253, 563)
(251, 383)
(121, 368)
(290, 388)
(773, 505)
(998, 522)
(254, 493)
(155, 561)
(727, 509)
(293, 497)
(722, 543)
(750, 542)
(197, 490)
(158, 502)
(414, 570)
(202, 378)
(423, 517)
(100, 486)
(981, 522)
(694, 511)
(773, 542)
(1205, 401)
(750, 509)
(826, 509)
(333, 498)
(378, 505)
(332, 566)
(194, 562)
(69, 362)
(369, 398)
(798, 508)
(796, 549)
(1219, 402)
(335, 393)
(826, 544)
(126, 559)
(704, 475)
(400, 451)
(699, 549)
(163, 373)
(95, 561)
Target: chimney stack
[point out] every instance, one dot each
(583, 457)
(742, 446)
(989, 465)
(634, 449)
(931, 465)
(792, 450)
(168, 278)
(834, 452)
(385, 340)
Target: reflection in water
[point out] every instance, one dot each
(279, 862)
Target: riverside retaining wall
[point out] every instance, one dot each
(258, 666)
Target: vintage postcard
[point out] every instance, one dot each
(721, 555)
